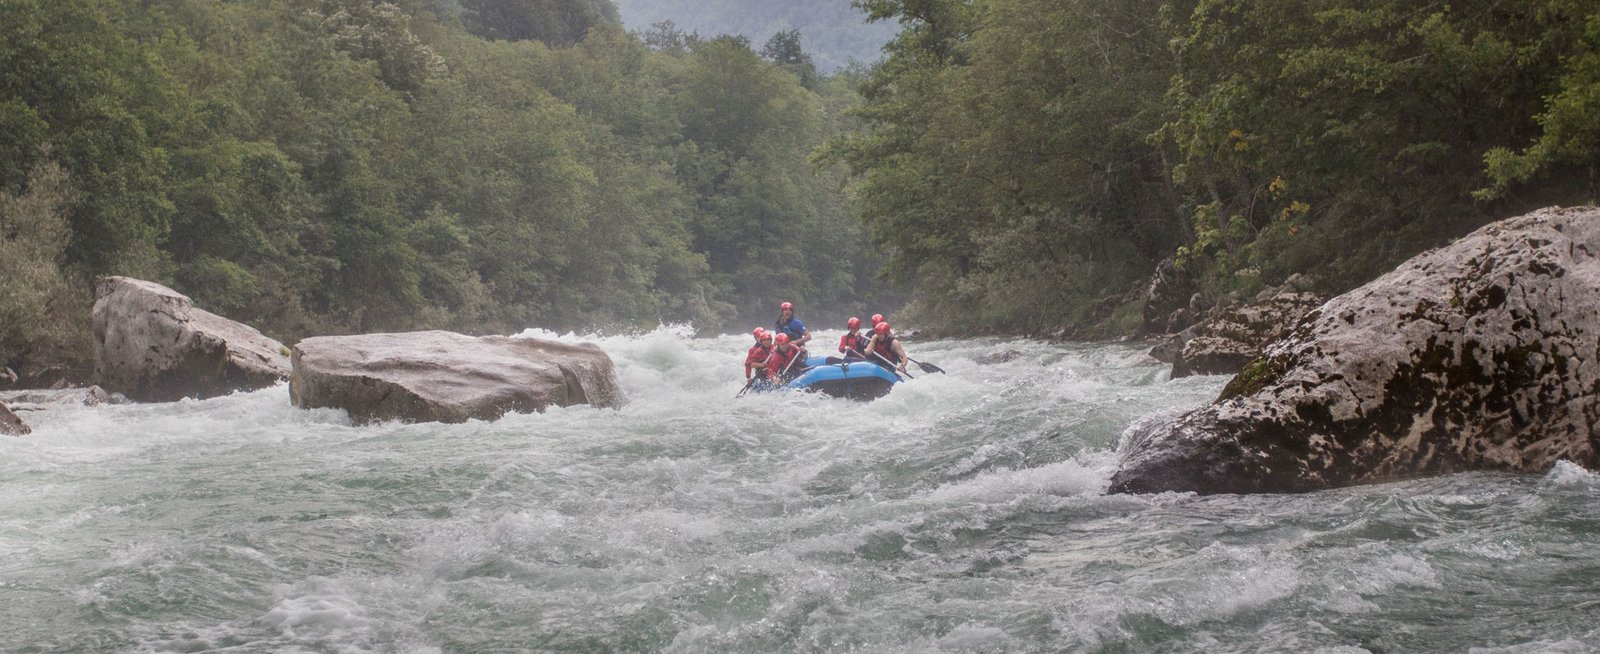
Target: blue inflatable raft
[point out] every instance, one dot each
(856, 379)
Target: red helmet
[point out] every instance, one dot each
(786, 305)
(881, 328)
(759, 331)
(853, 322)
(783, 339)
(765, 337)
(877, 318)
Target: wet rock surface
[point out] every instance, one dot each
(1484, 354)
(1167, 299)
(1222, 344)
(40, 400)
(993, 358)
(153, 345)
(11, 425)
(438, 376)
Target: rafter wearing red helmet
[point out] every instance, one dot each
(788, 324)
(787, 360)
(755, 360)
(853, 343)
(885, 349)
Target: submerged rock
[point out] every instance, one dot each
(1481, 355)
(438, 376)
(45, 399)
(153, 345)
(11, 425)
(1001, 356)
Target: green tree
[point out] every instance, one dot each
(556, 22)
(1341, 138)
(784, 49)
(1569, 132)
(73, 84)
(43, 308)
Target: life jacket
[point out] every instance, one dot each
(794, 328)
(853, 344)
(885, 348)
(757, 355)
(780, 361)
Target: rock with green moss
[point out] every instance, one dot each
(1231, 337)
(1482, 355)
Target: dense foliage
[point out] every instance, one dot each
(834, 32)
(1028, 162)
(321, 166)
(324, 166)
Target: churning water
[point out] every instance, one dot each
(962, 513)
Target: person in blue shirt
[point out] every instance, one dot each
(788, 324)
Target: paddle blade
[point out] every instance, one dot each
(928, 367)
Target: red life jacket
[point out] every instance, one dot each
(852, 344)
(780, 361)
(757, 356)
(885, 348)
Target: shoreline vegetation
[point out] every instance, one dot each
(320, 167)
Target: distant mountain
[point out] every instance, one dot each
(831, 31)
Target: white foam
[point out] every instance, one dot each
(1568, 475)
(1543, 646)
(1086, 475)
(320, 612)
(969, 637)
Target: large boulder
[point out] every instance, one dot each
(153, 345)
(10, 424)
(438, 376)
(1481, 355)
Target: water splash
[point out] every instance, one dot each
(963, 512)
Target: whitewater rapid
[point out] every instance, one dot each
(962, 513)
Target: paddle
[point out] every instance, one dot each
(752, 381)
(786, 368)
(891, 366)
(747, 385)
(927, 367)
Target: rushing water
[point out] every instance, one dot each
(962, 513)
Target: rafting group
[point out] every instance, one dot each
(867, 367)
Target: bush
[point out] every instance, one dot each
(44, 310)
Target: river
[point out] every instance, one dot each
(962, 513)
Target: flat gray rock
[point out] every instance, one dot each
(153, 345)
(1482, 355)
(439, 376)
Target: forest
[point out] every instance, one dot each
(1010, 166)
(337, 166)
(1027, 163)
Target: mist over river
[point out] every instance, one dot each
(962, 513)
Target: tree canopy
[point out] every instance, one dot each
(1026, 163)
(326, 166)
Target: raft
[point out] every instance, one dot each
(856, 379)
